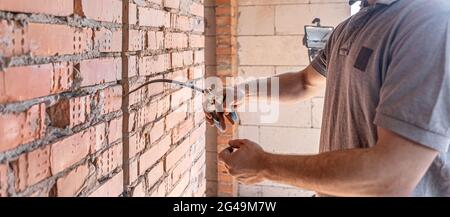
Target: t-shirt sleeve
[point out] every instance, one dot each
(321, 61)
(415, 92)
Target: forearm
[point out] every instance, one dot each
(288, 87)
(356, 172)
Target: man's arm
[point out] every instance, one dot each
(393, 167)
(295, 86)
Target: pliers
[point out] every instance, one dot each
(214, 102)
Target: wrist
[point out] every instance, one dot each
(267, 165)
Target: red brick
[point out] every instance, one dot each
(176, 117)
(155, 174)
(197, 104)
(176, 154)
(109, 160)
(174, 40)
(115, 130)
(179, 188)
(136, 145)
(179, 170)
(199, 165)
(52, 39)
(198, 147)
(111, 188)
(180, 23)
(201, 190)
(198, 25)
(155, 40)
(106, 40)
(146, 115)
(132, 14)
(98, 71)
(36, 80)
(172, 4)
(199, 57)
(178, 75)
(132, 66)
(139, 190)
(51, 7)
(153, 17)
(63, 77)
(199, 117)
(146, 92)
(181, 59)
(70, 112)
(11, 34)
(32, 168)
(159, 2)
(133, 169)
(160, 190)
(3, 180)
(182, 130)
(23, 127)
(177, 59)
(188, 58)
(100, 10)
(197, 9)
(163, 105)
(71, 184)
(180, 96)
(226, 189)
(98, 137)
(151, 156)
(197, 72)
(69, 151)
(157, 131)
(198, 133)
(196, 41)
(136, 40)
(111, 99)
(149, 65)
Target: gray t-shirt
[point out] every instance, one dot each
(389, 66)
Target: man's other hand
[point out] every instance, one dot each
(245, 160)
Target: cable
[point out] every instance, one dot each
(184, 84)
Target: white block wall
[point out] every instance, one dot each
(270, 34)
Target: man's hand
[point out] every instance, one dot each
(231, 100)
(245, 160)
(393, 167)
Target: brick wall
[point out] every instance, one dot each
(210, 66)
(221, 62)
(270, 36)
(67, 127)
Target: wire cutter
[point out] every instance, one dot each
(213, 103)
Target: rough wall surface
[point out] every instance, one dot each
(270, 34)
(221, 62)
(67, 127)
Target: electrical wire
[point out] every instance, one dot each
(183, 84)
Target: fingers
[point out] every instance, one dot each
(238, 143)
(249, 180)
(229, 118)
(221, 119)
(225, 156)
(209, 119)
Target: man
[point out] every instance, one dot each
(386, 120)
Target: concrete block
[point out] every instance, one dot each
(256, 20)
(272, 51)
(291, 19)
(285, 140)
